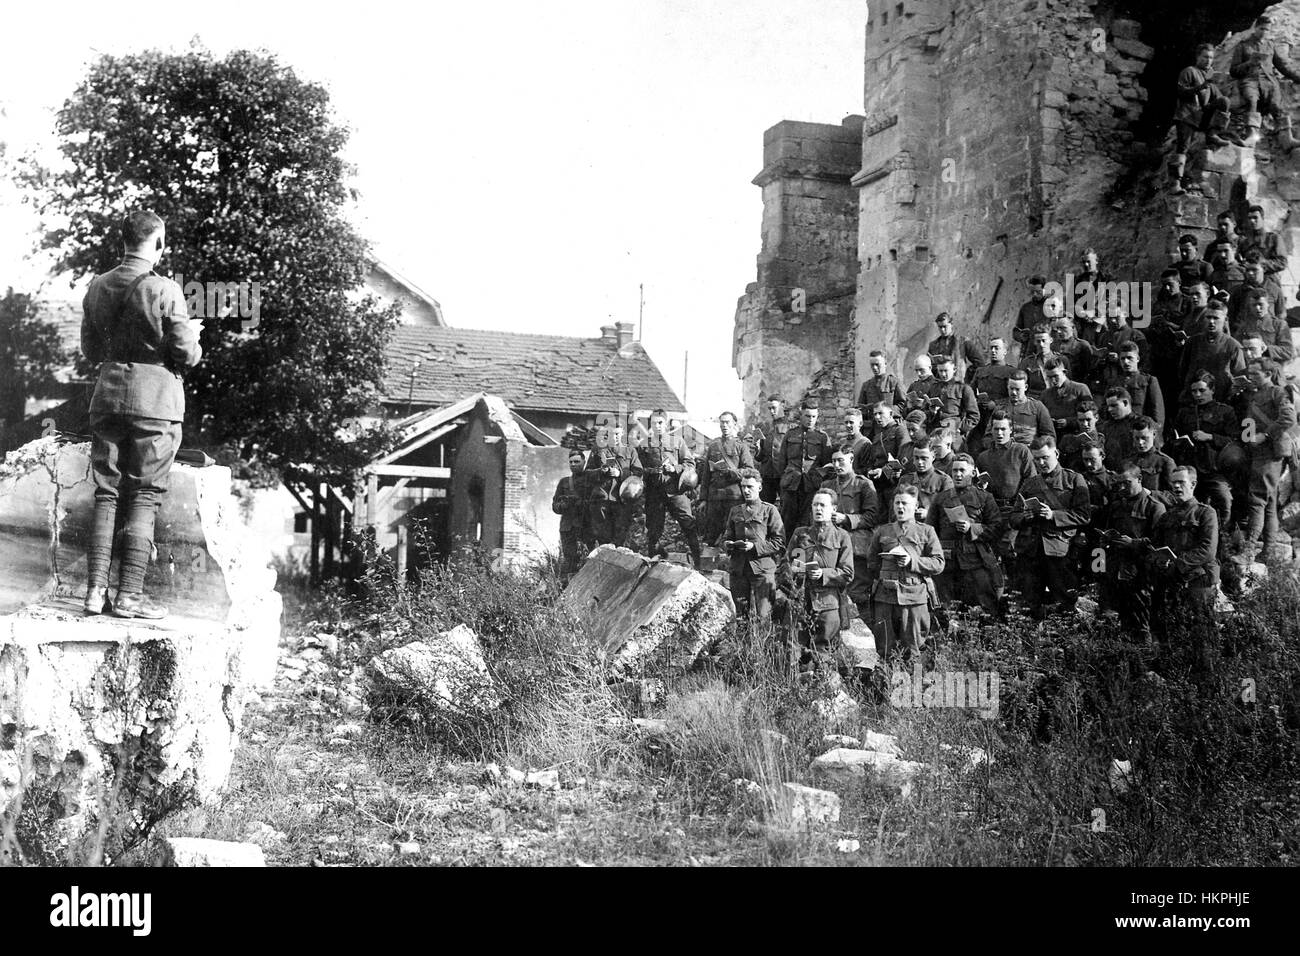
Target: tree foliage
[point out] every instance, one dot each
(30, 355)
(242, 159)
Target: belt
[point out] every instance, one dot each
(138, 361)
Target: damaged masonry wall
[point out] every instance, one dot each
(83, 700)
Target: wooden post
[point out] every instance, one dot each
(331, 531)
(372, 516)
(315, 533)
(401, 554)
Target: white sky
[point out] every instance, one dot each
(526, 163)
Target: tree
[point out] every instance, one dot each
(241, 158)
(30, 355)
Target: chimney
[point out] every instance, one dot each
(608, 333)
(625, 332)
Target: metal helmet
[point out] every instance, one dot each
(688, 477)
(632, 488)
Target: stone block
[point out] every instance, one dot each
(1131, 47)
(1055, 99)
(647, 616)
(1126, 29)
(848, 768)
(808, 806)
(446, 672)
(192, 851)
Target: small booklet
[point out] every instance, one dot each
(1180, 437)
(956, 513)
(897, 551)
(1033, 504)
(1241, 381)
(1180, 337)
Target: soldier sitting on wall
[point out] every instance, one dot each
(1201, 109)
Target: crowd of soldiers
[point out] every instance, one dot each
(1135, 459)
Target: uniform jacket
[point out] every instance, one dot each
(1135, 517)
(1239, 300)
(915, 584)
(1072, 447)
(1274, 331)
(885, 389)
(623, 458)
(1100, 484)
(1274, 414)
(965, 353)
(975, 548)
(1079, 357)
(861, 449)
(1194, 94)
(1198, 270)
(803, 455)
(654, 453)
(1157, 469)
(959, 405)
(1118, 435)
(760, 523)
(933, 484)
(1066, 493)
(1220, 355)
(992, 381)
(720, 470)
(856, 498)
(833, 550)
(135, 326)
(1143, 389)
(1062, 402)
(1030, 314)
(769, 451)
(1108, 344)
(1267, 245)
(568, 503)
(1191, 531)
(1008, 468)
(1256, 59)
(1216, 419)
(1029, 419)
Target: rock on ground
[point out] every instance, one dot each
(808, 806)
(846, 768)
(446, 673)
(648, 617)
(193, 851)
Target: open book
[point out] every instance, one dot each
(956, 513)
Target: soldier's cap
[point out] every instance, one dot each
(942, 317)
(916, 416)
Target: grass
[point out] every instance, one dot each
(320, 780)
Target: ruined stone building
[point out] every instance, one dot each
(999, 138)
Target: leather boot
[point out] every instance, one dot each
(693, 543)
(138, 605)
(1285, 137)
(1218, 126)
(1176, 174)
(1253, 123)
(97, 601)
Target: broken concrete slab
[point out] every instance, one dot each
(80, 696)
(859, 645)
(846, 768)
(647, 616)
(807, 806)
(193, 851)
(446, 672)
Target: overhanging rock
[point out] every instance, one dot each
(648, 616)
(101, 709)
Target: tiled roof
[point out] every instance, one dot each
(531, 372)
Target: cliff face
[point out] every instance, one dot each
(1001, 139)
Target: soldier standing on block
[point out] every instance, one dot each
(137, 329)
(881, 386)
(720, 475)
(966, 354)
(664, 457)
(570, 504)
(754, 538)
(611, 463)
(1031, 313)
(903, 556)
(804, 452)
(1046, 529)
(820, 558)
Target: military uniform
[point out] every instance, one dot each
(570, 504)
(803, 455)
(1126, 582)
(971, 573)
(1043, 547)
(1274, 416)
(856, 499)
(137, 329)
(1192, 271)
(1220, 422)
(1185, 589)
(1072, 447)
(990, 386)
(753, 573)
(1157, 470)
(966, 354)
(1147, 396)
(609, 516)
(901, 598)
(933, 484)
(769, 452)
(886, 389)
(1269, 247)
(1029, 419)
(720, 481)
(823, 601)
(1061, 404)
(958, 409)
(1274, 331)
(662, 460)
